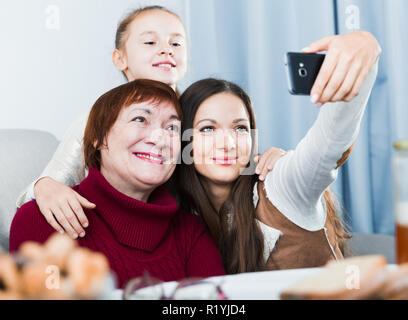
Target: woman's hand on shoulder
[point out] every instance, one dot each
(349, 58)
(62, 206)
(267, 161)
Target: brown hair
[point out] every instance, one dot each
(240, 243)
(234, 227)
(106, 110)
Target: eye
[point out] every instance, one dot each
(150, 43)
(174, 128)
(207, 129)
(139, 119)
(242, 128)
(176, 44)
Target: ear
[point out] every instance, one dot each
(119, 60)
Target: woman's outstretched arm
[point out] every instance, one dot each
(299, 179)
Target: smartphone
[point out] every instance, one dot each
(302, 70)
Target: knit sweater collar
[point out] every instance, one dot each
(134, 223)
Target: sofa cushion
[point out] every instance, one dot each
(24, 155)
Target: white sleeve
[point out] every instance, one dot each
(299, 179)
(67, 164)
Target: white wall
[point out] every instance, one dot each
(55, 58)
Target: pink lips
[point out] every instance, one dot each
(225, 161)
(149, 157)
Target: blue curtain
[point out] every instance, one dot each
(245, 42)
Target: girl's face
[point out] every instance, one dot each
(142, 147)
(155, 48)
(221, 138)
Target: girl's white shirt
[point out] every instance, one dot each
(296, 184)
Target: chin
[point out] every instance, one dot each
(151, 181)
(224, 176)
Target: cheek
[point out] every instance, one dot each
(244, 146)
(181, 56)
(137, 54)
(175, 146)
(202, 147)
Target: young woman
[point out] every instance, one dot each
(131, 146)
(150, 43)
(289, 220)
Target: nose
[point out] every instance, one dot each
(156, 137)
(225, 140)
(166, 49)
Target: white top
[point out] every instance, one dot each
(296, 184)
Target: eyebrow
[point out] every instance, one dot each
(148, 111)
(153, 32)
(174, 117)
(213, 121)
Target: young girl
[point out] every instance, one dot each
(289, 220)
(150, 43)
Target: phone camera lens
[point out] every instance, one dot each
(303, 72)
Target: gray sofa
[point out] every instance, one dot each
(24, 154)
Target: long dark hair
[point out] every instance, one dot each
(234, 227)
(240, 242)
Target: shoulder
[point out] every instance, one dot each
(27, 213)
(28, 225)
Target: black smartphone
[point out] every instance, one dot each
(302, 70)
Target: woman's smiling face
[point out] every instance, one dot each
(142, 147)
(221, 138)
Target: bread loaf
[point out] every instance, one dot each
(352, 278)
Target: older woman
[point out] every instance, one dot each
(131, 144)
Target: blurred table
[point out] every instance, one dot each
(265, 285)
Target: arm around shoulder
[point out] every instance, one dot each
(66, 165)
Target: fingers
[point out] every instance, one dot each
(77, 208)
(357, 86)
(72, 218)
(267, 161)
(346, 89)
(325, 73)
(336, 81)
(53, 222)
(320, 45)
(63, 221)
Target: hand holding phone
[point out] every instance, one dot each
(302, 70)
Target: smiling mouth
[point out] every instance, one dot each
(167, 66)
(149, 158)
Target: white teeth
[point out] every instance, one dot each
(165, 65)
(147, 157)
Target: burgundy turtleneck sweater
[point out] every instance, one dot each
(133, 235)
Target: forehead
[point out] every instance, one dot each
(158, 21)
(162, 109)
(222, 107)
